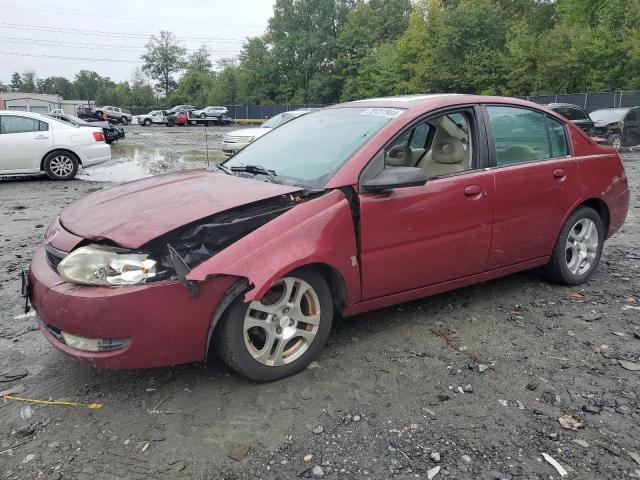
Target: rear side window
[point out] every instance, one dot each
(520, 135)
(558, 137)
(15, 124)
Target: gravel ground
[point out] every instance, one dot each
(472, 381)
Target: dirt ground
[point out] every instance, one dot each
(472, 381)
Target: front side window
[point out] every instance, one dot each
(441, 145)
(310, 149)
(520, 135)
(15, 124)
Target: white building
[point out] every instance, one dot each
(38, 102)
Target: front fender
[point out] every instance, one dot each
(318, 231)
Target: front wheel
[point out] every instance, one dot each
(578, 249)
(615, 141)
(147, 123)
(61, 165)
(171, 123)
(279, 335)
(124, 120)
(202, 115)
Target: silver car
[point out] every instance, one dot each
(118, 114)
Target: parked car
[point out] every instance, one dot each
(219, 114)
(118, 114)
(180, 117)
(344, 210)
(155, 116)
(620, 126)
(577, 116)
(31, 143)
(187, 108)
(111, 133)
(236, 140)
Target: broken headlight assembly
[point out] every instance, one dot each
(107, 266)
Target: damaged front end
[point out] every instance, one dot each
(179, 251)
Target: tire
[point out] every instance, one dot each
(565, 265)
(147, 123)
(60, 165)
(615, 140)
(208, 123)
(124, 120)
(202, 115)
(171, 122)
(250, 342)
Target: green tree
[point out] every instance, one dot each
(163, 59)
(28, 82)
(88, 83)
(59, 86)
(16, 81)
(256, 73)
(199, 60)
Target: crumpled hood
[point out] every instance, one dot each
(604, 124)
(134, 213)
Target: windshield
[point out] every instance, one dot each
(311, 149)
(274, 121)
(608, 115)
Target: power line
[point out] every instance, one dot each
(91, 46)
(63, 11)
(93, 33)
(38, 55)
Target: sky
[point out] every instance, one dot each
(60, 38)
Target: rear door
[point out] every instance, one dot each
(419, 236)
(23, 143)
(632, 127)
(536, 182)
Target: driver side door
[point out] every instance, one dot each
(420, 236)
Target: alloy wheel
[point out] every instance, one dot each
(279, 328)
(61, 166)
(617, 143)
(582, 246)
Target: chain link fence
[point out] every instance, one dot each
(591, 101)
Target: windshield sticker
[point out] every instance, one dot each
(383, 112)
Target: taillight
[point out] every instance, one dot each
(98, 136)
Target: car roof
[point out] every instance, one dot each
(425, 102)
(20, 113)
(559, 105)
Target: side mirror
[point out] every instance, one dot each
(395, 177)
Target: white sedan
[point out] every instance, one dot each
(34, 144)
(238, 139)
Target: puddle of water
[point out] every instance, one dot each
(130, 162)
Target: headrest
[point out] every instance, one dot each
(399, 156)
(448, 150)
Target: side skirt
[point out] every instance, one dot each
(409, 295)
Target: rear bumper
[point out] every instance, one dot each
(618, 209)
(95, 154)
(163, 324)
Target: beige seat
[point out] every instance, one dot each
(450, 150)
(448, 156)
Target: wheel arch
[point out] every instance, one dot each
(601, 208)
(334, 279)
(66, 150)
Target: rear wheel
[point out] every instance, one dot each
(61, 165)
(615, 141)
(279, 335)
(578, 249)
(171, 122)
(124, 120)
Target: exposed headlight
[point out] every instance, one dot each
(100, 265)
(247, 139)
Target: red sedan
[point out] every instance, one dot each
(344, 210)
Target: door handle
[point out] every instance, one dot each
(472, 190)
(41, 137)
(559, 173)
